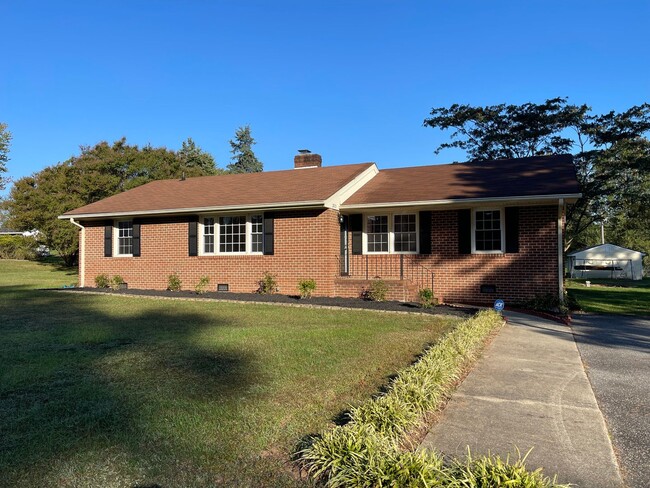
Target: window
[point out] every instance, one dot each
(488, 231)
(208, 235)
(392, 233)
(232, 234)
(405, 233)
(125, 238)
(257, 229)
(377, 233)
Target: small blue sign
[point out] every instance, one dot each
(499, 305)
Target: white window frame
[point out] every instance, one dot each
(217, 235)
(116, 238)
(503, 229)
(391, 232)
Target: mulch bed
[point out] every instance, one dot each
(357, 303)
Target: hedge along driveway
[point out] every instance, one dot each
(109, 391)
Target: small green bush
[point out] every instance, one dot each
(201, 286)
(18, 247)
(174, 282)
(377, 291)
(268, 284)
(547, 303)
(102, 281)
(116, 282)
(306, 288)
(427, 300)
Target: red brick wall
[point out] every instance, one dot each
(306, 246)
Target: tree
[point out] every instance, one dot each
(243, 158)
(5, 141)
(98, 172)
(611, 151)
(192, 156)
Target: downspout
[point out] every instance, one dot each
(82, 253)
(560, 249)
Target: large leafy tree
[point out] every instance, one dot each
(98, 172)
(5, 141)
(611, 151)
(243, 158)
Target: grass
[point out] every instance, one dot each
(115, 391)
(612, 296)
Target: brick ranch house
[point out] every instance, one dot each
(473, 232)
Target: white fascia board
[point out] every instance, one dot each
(194, 210)
(351, 187)
(541, 199)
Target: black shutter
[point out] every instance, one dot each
(108, 239)
(269, 247)
(193, 236)
(136, 239)
(512, 229)
(465, 231)
(356, 226)
(425, 232)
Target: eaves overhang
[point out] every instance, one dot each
(460, 202)
(197, 210)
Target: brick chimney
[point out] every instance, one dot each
(306, 159)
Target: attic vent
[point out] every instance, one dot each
(306, 159)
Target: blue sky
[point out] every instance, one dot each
(351, 80)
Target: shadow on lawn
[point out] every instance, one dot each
(76, 378)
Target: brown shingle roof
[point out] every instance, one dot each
(245, 190)
(523, 177)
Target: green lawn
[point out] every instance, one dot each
(612, 296)
(117, 391)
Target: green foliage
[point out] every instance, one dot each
(116, 282)
(377, 291)
(98, 172)
(102, 281)
(5, 142)
(488, 471)
(174, 282)
(427, 300)
(193, 158)
(547, 303)
(366, 451)
(268, 284)
(18, 247)
(306, 288)
(611, 152)
(201, 286)
(243, 158)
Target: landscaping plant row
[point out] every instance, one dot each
(369, 451)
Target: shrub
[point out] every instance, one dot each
(174, 282)
(268, 284)
(306, 288)
(547, 303)
(18, 247)
(377, 291)
(426, 297)
(116, 282)
(102, 281)
(202, 285)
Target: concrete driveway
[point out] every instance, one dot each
(616, 354)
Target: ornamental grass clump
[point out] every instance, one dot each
(366, 451)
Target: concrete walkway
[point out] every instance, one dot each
(530, 390)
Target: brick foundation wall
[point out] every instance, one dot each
(306, 246)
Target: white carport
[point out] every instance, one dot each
(606, 261)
